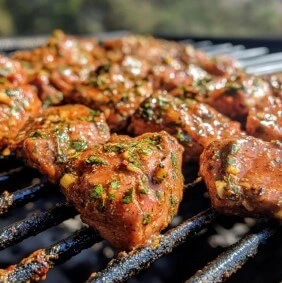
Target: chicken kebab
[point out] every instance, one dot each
(129, 188)
(18, 101)
(135, 180)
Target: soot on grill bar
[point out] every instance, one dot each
(199, 244)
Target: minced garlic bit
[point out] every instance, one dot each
(67, 180)
(232, 170)
(278, 215)
(220, 186)
(4, 98)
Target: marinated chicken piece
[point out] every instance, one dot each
(194, 124)
(232, 97)
(265, 120)
(129, 188)
(157, 50)
(56, 138)
(275, 82)
(244, 176)
(114, 92)
(11, 72)
(172, 73)
(147, 47)
(62, 63)
(218, 65)
(17, 105)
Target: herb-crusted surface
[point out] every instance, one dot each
(244, 176)
(131, 189)
(53, 140)
(194, 124)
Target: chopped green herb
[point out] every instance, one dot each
(79, 145)
(118, 148)
(128, 196)
(38, 134)
(143, 188)
(93, 159)
(234, 148)
(115, 184)
(97, 191)
(146, 219)
(94, 113)
(183, 137)
(159, 195)
(173, 159)
(111, 196)
(230, 160)
(173, 200)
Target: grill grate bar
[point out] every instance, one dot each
(266, 59)
(222, 46)
(234, 258)
(121, 269)
(20, 197)
(249, 53)
(229, 50)
(10, 174)
(266, 69)
(36, 266)
(34, 224)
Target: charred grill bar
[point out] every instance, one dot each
(37, 265)
(35, 224)
(234, 258)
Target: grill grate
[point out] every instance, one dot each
(256, 61)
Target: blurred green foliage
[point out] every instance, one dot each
(189, 17)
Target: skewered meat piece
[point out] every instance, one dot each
(158, 50)
(232, 97)
(114, 92)
(217, 66)
(11, 72)
(244, 176)
(194, 124)
(17, 105)
(147, 47)
(129, 188)
(52, 140)
(265, 120)
(62, 63)
(275, 82)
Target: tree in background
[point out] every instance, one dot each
(195, 17)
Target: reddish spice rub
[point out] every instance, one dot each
(265, 120)
(17, 105)
(129, 188)
(114, 92)
(57, 67)
(52, 140)
(158, 51)
(38, 258)
(11, 72)
(244, 176)
(194, 124)
(233, 96)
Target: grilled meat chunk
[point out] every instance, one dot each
(194, 124)
(62, 63)
(11, 72)
(265, 120)
(158, 51)
(275, 82)
(232, 96)
(17, 105)
(52, 140)
(244, 176)
(129, 188)
(114, 92)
